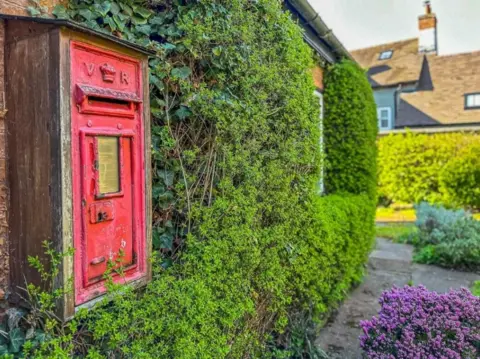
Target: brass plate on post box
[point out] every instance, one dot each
(108, 164)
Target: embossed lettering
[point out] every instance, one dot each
(124, 79)
(90, 68)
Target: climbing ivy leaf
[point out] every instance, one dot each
(183, 112)
(181, 72)
(17, 338)
(60, 12)
(143, 12)
(103, 8)
(87, 14)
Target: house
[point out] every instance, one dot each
(417, 88)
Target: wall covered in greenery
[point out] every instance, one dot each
(437, 168)
(248, 255)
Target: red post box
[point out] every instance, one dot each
(78, 123)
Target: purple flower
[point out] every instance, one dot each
(416, 323)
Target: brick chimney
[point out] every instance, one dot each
(428, 31)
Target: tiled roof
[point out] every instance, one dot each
(440, 98)
(403, 67)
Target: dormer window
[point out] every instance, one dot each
(472, 101)
(385, 55)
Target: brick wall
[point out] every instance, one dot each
(317, 73)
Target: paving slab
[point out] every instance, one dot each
(390, 264)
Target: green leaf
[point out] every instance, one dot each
(144, 29)
(183, 112)
(168, 46)
(217, 51)
(119, 22)
(138, 20)
(87, 14)
(126, 9)
(110, 22)
(3, 350)
(143, 12)
(17, 338)
(157, 20)
(166, 241)
(33, 11)
(114, 8)
(167, 177)
(181, 72)
(103, 8)
(60, 12)
(157, 82)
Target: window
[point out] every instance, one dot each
(384, 118)
(472, 101)
(385, 55)
(108, 164)
(321, 184)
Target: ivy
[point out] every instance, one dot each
(245, 249)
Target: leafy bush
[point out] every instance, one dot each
(460, 178)
(447, 237)
(245, 248)
(418, 167)
(416, 323)
(476, 288)
(350, 130)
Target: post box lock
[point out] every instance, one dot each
(102, 212)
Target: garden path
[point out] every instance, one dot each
(390, 264)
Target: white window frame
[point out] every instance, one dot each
(390, 123)
(472, 101)
(386, 55)
(321, 183)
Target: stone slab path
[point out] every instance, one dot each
(389, 264)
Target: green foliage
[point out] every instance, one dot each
(400, 233)
(350, 131)
(246, 252)
(437, 168)
(36, 331)
(460, 178)
(447, 238)
(476, 288)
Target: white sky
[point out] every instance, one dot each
(363, 23)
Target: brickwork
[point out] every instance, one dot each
(318, 77)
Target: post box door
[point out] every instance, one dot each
(108, 205)
(108, 169)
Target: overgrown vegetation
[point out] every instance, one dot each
(436, 168)
(248, 256)
(450, 238)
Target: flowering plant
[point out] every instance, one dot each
(414, 323)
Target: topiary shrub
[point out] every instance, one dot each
(416, 323)
(413, 168)
(460, 178)
(350, 131)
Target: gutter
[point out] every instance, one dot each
(313, 19)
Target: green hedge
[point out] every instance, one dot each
(436, 168)
(350, 131)
(244, 246)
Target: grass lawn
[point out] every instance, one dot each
(401, 215)
(396, 232)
